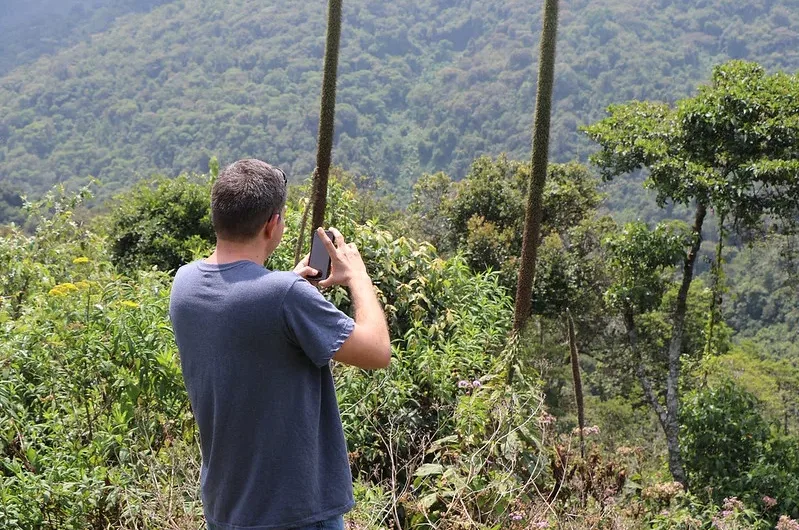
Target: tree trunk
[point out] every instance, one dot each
(540, 159)
(646, 384)
(718, 279)
(327, 114)
(675, 349)
(578, 381)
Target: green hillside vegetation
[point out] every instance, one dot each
(95, 427)
(762, 301)
(423, 86)
(30, 29)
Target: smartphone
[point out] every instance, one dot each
(320, 259)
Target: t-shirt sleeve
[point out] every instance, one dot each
(313, 323)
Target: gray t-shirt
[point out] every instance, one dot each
(254, 349)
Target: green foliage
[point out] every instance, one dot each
(730, 449)
(10, 204)
(423, 86)
(162, 222)
(95, 426)
(774, 382)
(730, 147)
(723, 437)
(32, 28)
(482, 217)
(643, 260)
(762, 305)
(32, 264)
(491, 197)
(727, 149)
(572, 271)
(431, 198)
(688, 512)
(92, 391)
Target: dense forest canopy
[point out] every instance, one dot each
(423, 86)
(30, 29)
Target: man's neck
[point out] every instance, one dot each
(229, 252)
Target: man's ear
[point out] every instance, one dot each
(271, 225)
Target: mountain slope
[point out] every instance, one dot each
(424, 85)
(32, 28)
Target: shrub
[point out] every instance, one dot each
(731, 451)
(162, 222)
(723, 436)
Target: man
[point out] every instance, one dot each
(255, 347)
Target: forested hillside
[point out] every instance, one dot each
(30, 29)
(425, 85)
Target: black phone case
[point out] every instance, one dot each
(319, 259)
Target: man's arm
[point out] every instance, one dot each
(369, 345)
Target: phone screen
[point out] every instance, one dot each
(320, 259)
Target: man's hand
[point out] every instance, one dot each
(303, 270)
(346, 264)
(369, 344)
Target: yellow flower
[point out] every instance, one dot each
(128, 303)
(83, 284)
(79, 260)
(62, 289)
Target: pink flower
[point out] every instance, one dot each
(786, 523)
(733, 504)
(476, 383)
(547, 419)
(464, 384)
(769, 502)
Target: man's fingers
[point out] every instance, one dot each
(304, 271)
(331, 248)
(337, 237)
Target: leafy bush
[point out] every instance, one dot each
(93, 398)
(723, 437)
(730, 450)
(162, 222)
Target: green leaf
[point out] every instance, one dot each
(426, 470)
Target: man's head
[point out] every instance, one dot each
(247, 202)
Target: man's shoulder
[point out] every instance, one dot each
(184, 274)
(246, 275)
(282, 280)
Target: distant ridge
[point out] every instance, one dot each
(424, 85)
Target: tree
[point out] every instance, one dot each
(730, 149)
(327, 115)
(10, 204)
(482, 216)
(642, 259)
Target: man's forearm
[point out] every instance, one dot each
(368, 312)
